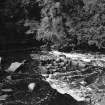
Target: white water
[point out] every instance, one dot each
(97, 60)
(64, 87)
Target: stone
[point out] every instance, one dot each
(14, 66)
(31, 86)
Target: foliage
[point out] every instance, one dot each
(51, 26)
(56, 15)
(64, 24)
(72, 23)
(92, 29)
(88, 24)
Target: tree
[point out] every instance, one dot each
(51, 26)
(73, 22)
(56, 21)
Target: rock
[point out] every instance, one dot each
(57, 60)
(98, 63)
(14, 66)
(31, 86)
(49, 66)
(0, 59)
(3, 97)
(64, 88)
(35, 56)
(8, 77)
(43, 69)
(54, 63)
(64, 68)
(74, 63)
(77, 74)
(81, 64)
(62, 64)
(6, 90)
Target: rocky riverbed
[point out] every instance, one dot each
(53, 78)
(82, 76)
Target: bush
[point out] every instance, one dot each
(73, 22)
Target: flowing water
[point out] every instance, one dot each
(80, 75)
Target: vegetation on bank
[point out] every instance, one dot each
(60, 24)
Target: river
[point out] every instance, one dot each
(80, 75)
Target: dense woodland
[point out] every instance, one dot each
(59, 24)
